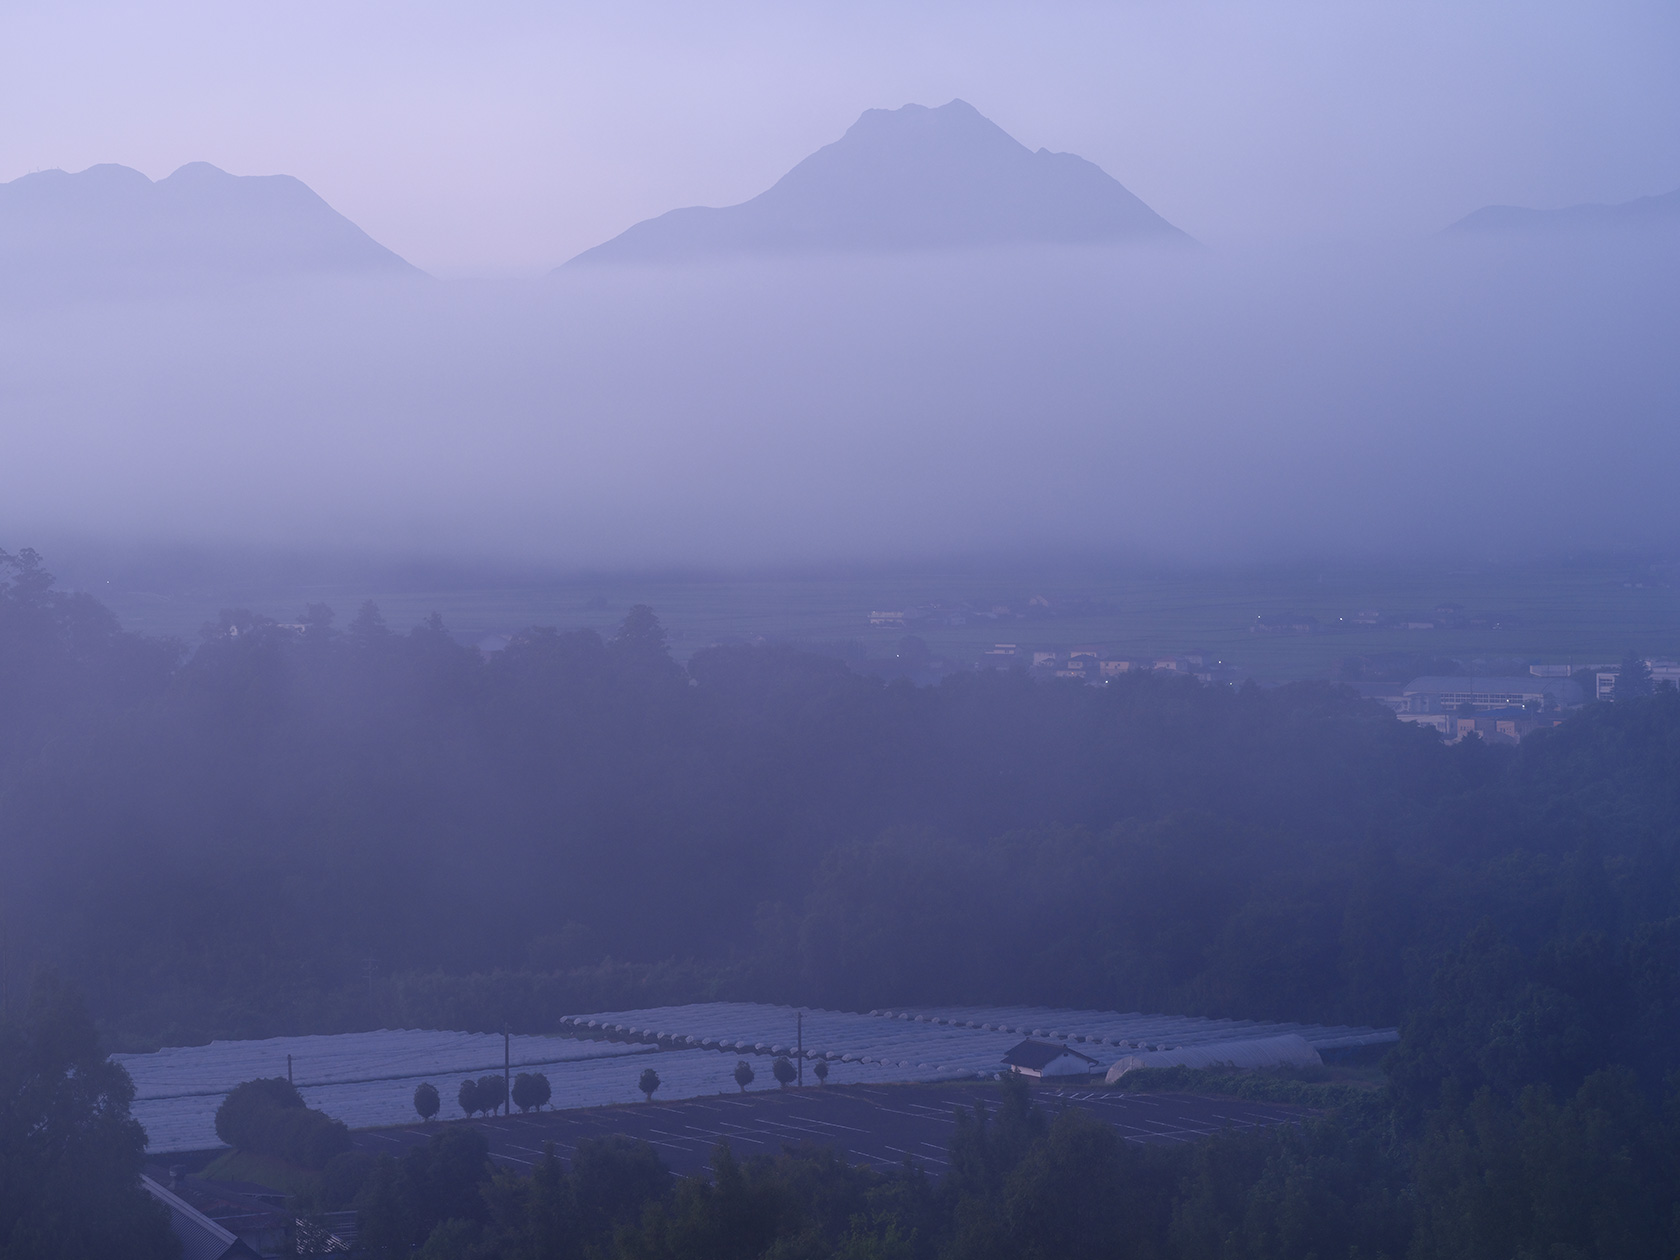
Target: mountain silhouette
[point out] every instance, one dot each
(109, 227)
(1641, 212)
(905, 179)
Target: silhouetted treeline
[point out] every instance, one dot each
(306, 829)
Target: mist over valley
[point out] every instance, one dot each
(876, 404)
(633, 663)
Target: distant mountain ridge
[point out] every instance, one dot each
(1641, 212)
(913, 178)
(111, 226)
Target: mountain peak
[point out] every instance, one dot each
(110, 226)
(912, 178)
(1661, 211)
(955, 113)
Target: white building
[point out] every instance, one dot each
(1448, 695)
(1661, 672)
(1041, 1059)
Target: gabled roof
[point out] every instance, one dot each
(201, 1238)
(1037, 1055)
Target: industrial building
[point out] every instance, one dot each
(1450, 694)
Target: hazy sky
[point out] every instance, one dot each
(506, 136)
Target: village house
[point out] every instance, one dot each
(1046, 1059)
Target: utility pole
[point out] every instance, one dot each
(288, 1069)
(507, 1078)
(800, 1025)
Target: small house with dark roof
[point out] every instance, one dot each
(1041, 1059)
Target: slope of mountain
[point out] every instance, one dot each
(109, 226)
(1641, 212)
(906, 179)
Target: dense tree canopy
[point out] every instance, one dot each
(215, 843)
(218, 843)
(268, 1116)
(70, 1155)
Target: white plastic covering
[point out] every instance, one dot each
(361, 1078)
(1255, 1052)
(911, 1052)
(1134, 1030)
(368, 1079)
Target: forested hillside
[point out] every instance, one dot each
(292, 829)
(217, 841)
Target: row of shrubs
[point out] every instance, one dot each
(782, 1069)
(269, 1117)
(530, 1090)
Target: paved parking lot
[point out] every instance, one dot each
(879, 1125)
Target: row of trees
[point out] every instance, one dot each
(486, 1094)
(782, 1069)
(765, 824)
(530, 1091)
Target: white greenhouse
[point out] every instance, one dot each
(368, 1079)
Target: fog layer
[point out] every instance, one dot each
(1452, 394)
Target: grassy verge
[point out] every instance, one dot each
(264, 1170)
(1322, 1088)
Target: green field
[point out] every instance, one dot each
(1568, 612)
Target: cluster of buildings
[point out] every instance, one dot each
(1499, 710)
(1095, 664)
(1605, 677)
(1503, 710)
(1441, 617)
(936, 614)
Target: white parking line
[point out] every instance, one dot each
(870, 1159)
(833, 1124)
(728, 1136)
(797, 1128)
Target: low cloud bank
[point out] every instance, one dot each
(1496, 396)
